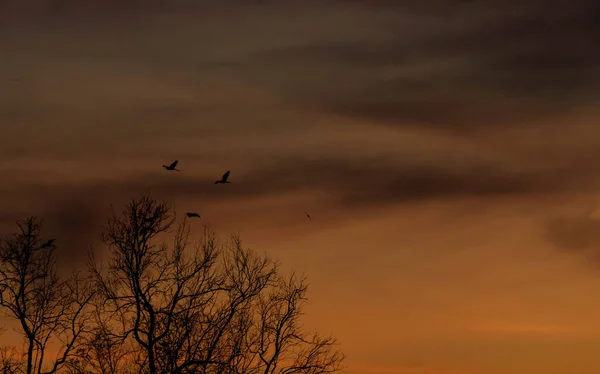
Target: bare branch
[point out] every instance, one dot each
(32, 293)
(160, 303)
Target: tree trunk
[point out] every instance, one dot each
(30, 357)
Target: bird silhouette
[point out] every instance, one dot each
(224, 178)
(172, 166)
(193, 215)
(308, 215)
(48, 243)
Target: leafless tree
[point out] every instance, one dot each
(10, 361)
(46, 307)
(206, 307)
(102, 354)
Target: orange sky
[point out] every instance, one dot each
(447, 152)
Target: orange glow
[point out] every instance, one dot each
(446, 151)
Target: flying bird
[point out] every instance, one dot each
(48, 243)
(224, 178)
(172, 166)
(308, 215)
(193, 215)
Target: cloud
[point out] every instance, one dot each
(76, 210)
(464, 70)
(351, 181)
(442, 65)
(432, 63)
(578, 235)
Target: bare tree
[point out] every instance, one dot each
(10, 361)
(201, 308)
(45, 306)
(102, 354)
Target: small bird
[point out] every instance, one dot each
(224, 178)
(308, 215)
(48, 243)
(193, 215)
(172, 166)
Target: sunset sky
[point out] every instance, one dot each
(448, 152)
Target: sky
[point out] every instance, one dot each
(446, 151)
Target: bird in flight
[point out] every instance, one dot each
(308, 215)
(172, 166)
(48, 243)
(224, 178)
(191, 214)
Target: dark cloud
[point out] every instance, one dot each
(42, 9)
(76, 212)
(351, 182)
(77, 224)
(355, 184)
(441, 64)
(526, 63)
(574, 234)
(577, 235)
(397, 63)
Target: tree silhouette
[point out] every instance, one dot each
(161, 303)
(102, 354)
(9, 361)
(45, 306)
